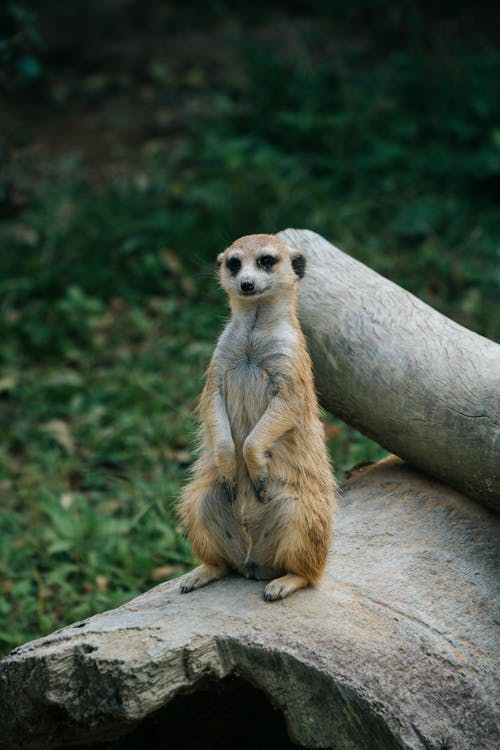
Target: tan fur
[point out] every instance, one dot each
(262, 493)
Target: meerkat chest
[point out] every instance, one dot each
(249, 366)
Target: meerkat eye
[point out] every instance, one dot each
(266, 262)
(233, 265)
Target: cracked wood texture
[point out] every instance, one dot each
(424, 387)
(396, 648)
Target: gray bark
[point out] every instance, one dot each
(395, 648)
(424, 387)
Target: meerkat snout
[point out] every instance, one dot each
(247, 287)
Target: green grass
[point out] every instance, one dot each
(110, 308)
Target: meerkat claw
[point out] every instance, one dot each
(272, 597)
(260, 490)
(230, 491)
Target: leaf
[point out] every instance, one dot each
(66, 500)
(183, 458)
(59, 430)
(333, 431)
(7, 383)
(164, 571)
(420, 217)
(64, 377)
(113, 527)
(60, 545)
(28, 67)
(171, 261)
(101, 583)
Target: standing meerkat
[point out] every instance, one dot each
(262, 493)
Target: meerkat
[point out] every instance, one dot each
(262, 493)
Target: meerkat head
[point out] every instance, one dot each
(259, 265)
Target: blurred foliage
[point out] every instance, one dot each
(20, 45)
(109, 304)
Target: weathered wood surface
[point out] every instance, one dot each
(395, 649)
(424, 387)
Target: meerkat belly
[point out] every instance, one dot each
(247, 397)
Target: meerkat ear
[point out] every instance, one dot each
(299, 264)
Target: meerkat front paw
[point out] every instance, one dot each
(260, 487)
(225, 460)
(202, 575)
(284, 586)
(256, 462)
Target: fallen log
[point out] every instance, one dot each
(424, 387)
(395, 648)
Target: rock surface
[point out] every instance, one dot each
(424, 387)
(395, 649)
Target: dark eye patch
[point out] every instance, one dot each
(233, 265)
(266, 262)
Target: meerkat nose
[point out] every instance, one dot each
(247, 286)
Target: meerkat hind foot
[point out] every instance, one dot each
(279, 588)
(202, 575)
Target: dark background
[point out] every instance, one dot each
(138, 139)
